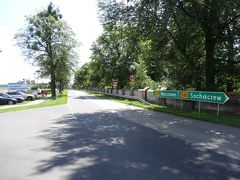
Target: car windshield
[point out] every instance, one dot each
(22, 92)
(25, 92)
(14, 93)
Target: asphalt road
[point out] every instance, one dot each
(96, 139)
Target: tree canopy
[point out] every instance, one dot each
(49, 43)
(178, 43)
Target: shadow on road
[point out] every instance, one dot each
(88, 97)
(102, 146)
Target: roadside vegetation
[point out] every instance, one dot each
(227, 119)
(172, 44)
(60, 99)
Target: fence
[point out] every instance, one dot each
(146, 95)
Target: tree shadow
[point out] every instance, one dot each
(102, 145)
(86, 97)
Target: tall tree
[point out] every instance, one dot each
(49, 43)
(214, 18)
(194, 33)
(114, 52)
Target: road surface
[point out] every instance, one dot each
(97, 139)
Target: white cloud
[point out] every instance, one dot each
(81, 15)
(13, 67)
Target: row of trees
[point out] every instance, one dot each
(49, 43)
(172, 43)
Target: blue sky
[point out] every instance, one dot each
(81, 15)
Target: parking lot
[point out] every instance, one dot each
(18, 96)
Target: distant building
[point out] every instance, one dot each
(18, 86)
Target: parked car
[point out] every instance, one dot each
(9, 101)
(27, 96)
(16, 95)
(5, 95)
(35, 93)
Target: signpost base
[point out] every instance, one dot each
(199, 106)
(181, 105)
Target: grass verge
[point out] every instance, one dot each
(226, 119)
(61, 99)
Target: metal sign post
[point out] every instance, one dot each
(115, 83)
(218, 107)
(132, 78)
(181, 104)
(199, 106)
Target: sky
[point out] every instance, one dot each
(81, 15)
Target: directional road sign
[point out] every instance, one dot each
(202, 96)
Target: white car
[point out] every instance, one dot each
(27, 96)
(16, 95)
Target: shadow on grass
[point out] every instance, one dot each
(101, 146)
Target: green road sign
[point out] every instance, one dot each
(202, 96)
(167, 94)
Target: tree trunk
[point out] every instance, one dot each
(210, 62)
(61, 86)
(53, 84)
(210, 29)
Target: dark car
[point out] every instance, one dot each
(16, 95)
(5, 95)
(5, 100)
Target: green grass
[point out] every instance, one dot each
(60, 100)
(227, 119)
